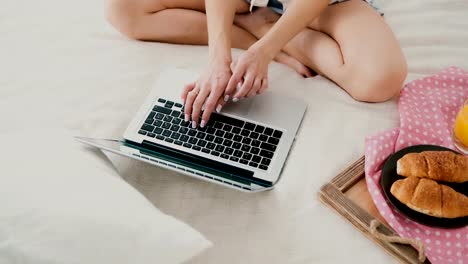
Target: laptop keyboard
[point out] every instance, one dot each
(226, 137)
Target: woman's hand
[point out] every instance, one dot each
(251, 72)
(206, 92)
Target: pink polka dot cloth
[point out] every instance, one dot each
(428, 108)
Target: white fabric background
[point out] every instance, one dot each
(62, 64)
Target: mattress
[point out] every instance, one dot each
(62, 65)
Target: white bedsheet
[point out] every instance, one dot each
(62, 64)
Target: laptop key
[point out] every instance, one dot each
(249, 126)
(147, 127)
(211, 146)
(175, 113)
(256, 159)
(219, 133)
(238, 153)
(234, 159)
(245, 132)
(259, 129)
(183, 130)
(255, 143)
(227, 120)
(149, 121)
(229, 151)
(215, 153)
(224, 156)
(176, 121)
(161, 109)
(266, 154)
(245, 148)
(184, 138)
(158, 130)
(166, 125)
(227, 143)
(142, 132)
(253, 164)
(263, 167)
(159, 116)
(175, 128)
(209, 138)
(266, 161)
(187, 145)
(255, 151)
(236, 145)
(193, 141)
(267, 146)
(236, 130)
(219, 148)
(254, 135)
(205, 150)
(178, 105)
(227, 128)
(218, 125)
(175, 135)
(228, 135)
(211, 130)
(168, 118)
(185, 123)
(161, 100)
(263, 138)
(237, 138)
(273, 140)
(201, 143)
(247, 156)
(157, 123)
(243, 161)
(246, 140)
(160, 137)
(151, 115)
(277, 134)
(166, 133)
(178, 143)
(170, 140)
(218, 140)
(201, 135)
(169, 104)
(196, 148)
(192, 132)
(268, 131)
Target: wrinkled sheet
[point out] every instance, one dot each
(62, 64)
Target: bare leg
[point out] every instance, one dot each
(179, 22)
(350, 44)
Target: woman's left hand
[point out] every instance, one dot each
(251, 71)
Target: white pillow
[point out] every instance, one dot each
(63, 203)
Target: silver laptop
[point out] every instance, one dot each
(244, 147)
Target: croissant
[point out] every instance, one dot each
(428, 197)
(436, 165)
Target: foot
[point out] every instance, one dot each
(257, 23)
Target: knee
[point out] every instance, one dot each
(375, 84)
(123, 15)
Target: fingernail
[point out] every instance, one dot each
(218, 108)
(194, 124)
(203, 123)
(235, 99)
(186, 118)
(226, 98)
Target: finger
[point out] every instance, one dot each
(189, 102)
(264, 86)
(235, 79)
(220, 105)
(197, 106)
(210, 106)
(246, 86)
(187, 88)
(255, 87)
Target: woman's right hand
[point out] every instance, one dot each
(207, 92)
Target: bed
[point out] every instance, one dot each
(63, 65)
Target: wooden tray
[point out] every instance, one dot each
(347, 194)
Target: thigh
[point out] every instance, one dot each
(361, 33)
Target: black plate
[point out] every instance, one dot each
(389, 176)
